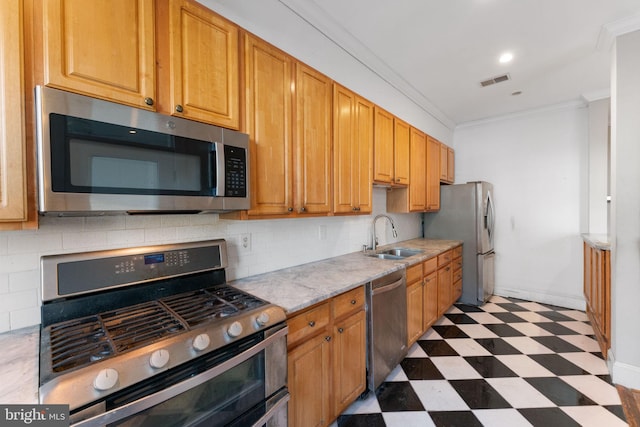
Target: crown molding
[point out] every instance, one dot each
(319, 19)
(596, 95)
(609, 32)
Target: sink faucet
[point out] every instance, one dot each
(374, 239)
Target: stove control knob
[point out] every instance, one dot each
(201, 341)
(106, 379)
(263, 318)
(159, 358)
(235, 329)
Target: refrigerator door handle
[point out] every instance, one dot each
(489, 218)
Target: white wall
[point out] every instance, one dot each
(625, 221)
(534, 161)
(598, 168)
(275, 244)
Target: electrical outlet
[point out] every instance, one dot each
(322, 232)
(245, 241)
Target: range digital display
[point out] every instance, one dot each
(153, 259)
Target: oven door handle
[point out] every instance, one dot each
(147, 402)
(280, 400)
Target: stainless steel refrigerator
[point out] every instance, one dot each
(467, 213)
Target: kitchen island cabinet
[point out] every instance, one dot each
(198, 64)
(13, 149)
(104, 49)
(326, 359)
(597, 289)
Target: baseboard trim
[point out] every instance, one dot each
(574, 302)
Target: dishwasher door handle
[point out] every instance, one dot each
(387, 288)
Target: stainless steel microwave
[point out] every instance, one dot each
(98, 158)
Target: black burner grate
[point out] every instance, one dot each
(79, 342)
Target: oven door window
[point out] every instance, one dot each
(105, 158)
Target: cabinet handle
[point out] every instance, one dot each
(353, 302)
(303, 209)
(290, 210)
(354, 209)
(341, 330)
(148, 101)
(312, 323)
(447, 269)
(327, 338)
(179, 108)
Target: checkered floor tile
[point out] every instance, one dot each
(507, 363)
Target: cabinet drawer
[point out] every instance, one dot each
(457, 290)
(457, 251)
(414, 273)
(308, 323)
(348, 302)
(457, 263)
(444, 258)
(430, 265)
(457, 275)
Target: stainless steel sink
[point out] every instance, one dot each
(395, 253)
(400, 252)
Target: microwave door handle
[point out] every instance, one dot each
(218, 159)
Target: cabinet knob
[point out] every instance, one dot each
(303, 209)
(290, 210)
(341, 330)
(148, 101)
(179, 108)
(327, 338)
(354, 209)
(312, 323)
(353, 302)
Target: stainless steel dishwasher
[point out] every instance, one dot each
(386, 326)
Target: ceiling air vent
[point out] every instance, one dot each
(497, 79)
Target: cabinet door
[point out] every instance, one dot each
(444, 162)
(382, 146)
(349, 361)
(363, 160)
(313, 141)
(202, 57)
(352, 151)
(13, 189)
(401, 143)
(430, 303)
(415, 299)
(101, 48)
(309, 379)
(418, 171)
(444, 289)
(268, 77)
(450, 165)
(433, 174)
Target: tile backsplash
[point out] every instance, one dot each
(272, 245)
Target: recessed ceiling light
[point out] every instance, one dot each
(506, 57)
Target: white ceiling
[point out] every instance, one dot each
(437, 51)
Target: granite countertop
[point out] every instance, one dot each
(302, 286)
(292, 288)
(598, 241)
(19, 366)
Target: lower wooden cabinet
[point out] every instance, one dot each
(597, 293)
(444, 282)
(326, 359)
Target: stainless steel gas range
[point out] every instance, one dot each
(154, 336)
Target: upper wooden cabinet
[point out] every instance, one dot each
(13, 158)
(352, 152)
(312, 148)
(401, 143)
(101, 48)
(198, 68)
(447, 163)
(433, 174)
(382, 146)
(414, 197)
(268, 78)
